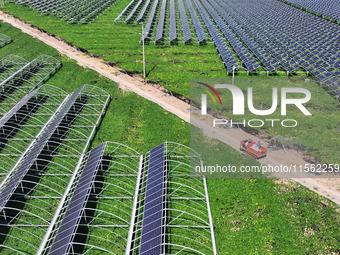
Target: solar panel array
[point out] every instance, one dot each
(150, 20)
(126, 203)
(154, 205)
(184, 22)
(172, 208)
(327, 8)
(53, 194)
(252, 36)
(18, 77)
(9, 65)
(227, 57)
(22, 125)
(4, 39)
(52, 144)
(100, 204)
(173, 30)
(77, 204)
(313, 49)
(72, 11)
(133, 12)
(143, 12)
(160, 27)
(15, 179)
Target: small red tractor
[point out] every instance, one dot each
(253, 149)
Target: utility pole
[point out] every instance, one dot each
(232, 83)
(143, 55)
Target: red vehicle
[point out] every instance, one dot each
(251, 148)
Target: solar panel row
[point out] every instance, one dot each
(152, 237)
(16, 108)
(153, 223)
(160, 27)
(173, 30)
(75, 209)
(326, 8)
(20, 77)
(14, 180)
(184, 21)
(150, 21)
(73, 11)
(227, 57)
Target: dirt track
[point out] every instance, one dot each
(328, 187)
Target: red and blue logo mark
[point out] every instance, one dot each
(211, 95)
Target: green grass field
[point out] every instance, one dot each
(170, 66)
(174, 67)
(250, 215)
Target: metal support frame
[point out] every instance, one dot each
(134, 208)
(72, 179)
(65, 158)
(177, 166)
(23, 153)
(72, 11)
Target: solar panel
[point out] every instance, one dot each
(160, 27)
(10, 64)
(184, 21)
(150, 20)
(173, 31)
(73, 11)
(198, 27)
(329, 9)
(26, 164)
(15, 109)
(151, 240)
(14, 74)
(77, 203)
(133, 11)
(125, 11)
(142, 13)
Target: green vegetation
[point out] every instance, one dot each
(250, 215)
(170, 66)
(174, 66)
(130, 119)
(254, 216)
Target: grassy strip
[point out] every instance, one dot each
(142, 125)
(256, 216)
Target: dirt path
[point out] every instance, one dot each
(328, 187)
